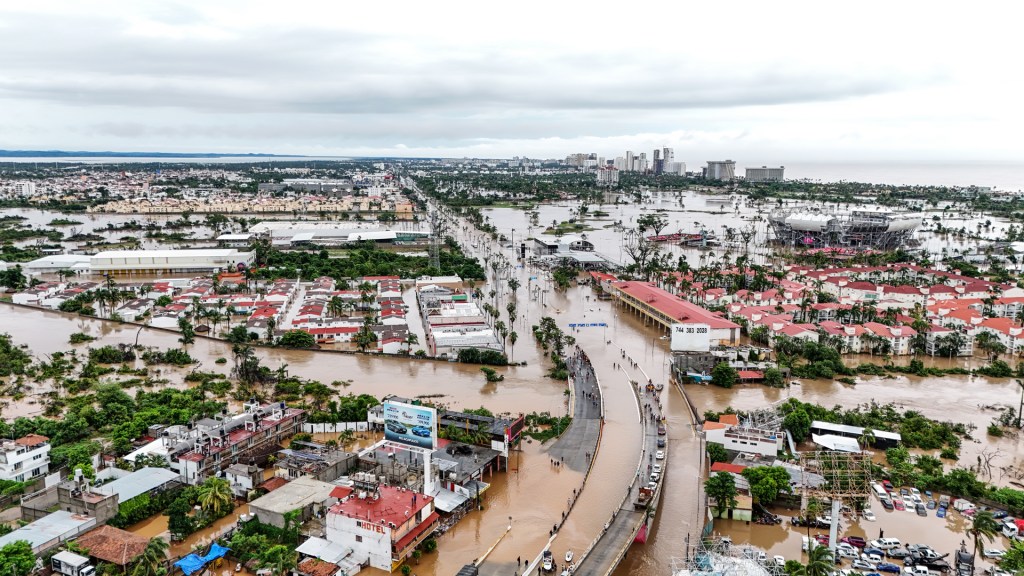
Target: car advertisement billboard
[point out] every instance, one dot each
(410, 425)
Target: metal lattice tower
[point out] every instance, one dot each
(720, 557)
(847, 475)
(767, 418)
(436, 234)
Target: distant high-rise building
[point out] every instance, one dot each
(766, 174)
(629, 160)
(720, 170)
(677, 168)
(641, 165)
(24, 188)
(607, 176)
(658, 163)
(668, 155)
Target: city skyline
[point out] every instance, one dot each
(776, 86)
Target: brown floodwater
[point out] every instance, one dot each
(535, 495)
(942, 534)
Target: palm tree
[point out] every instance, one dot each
(512, 337)
(335, 306)
(819, 563)
(984, 527)
(411, 339)
(215, 496)
(151, 562)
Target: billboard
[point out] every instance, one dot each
(691, 338)
(410, 425)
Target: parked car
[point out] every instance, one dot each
(920, 509)
(993, 553)
(869, 515)
(898, 504)
(875, 551)
(898, 553)
(999, 514)
(780, 561)
(662, 430)
(659, 455)
(887, 485)
(887, 504)
(855, 541)
(862, 565)
(822, 539)
(873, 558)
(661, 442)
(656, 468)
(888, 567)
(850, 553)
(904, 492)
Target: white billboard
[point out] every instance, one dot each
(691, 337)
(410, 425)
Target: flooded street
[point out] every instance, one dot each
(535, 494)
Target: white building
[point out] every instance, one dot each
(168, 261)
(720, 170)
(384, 526)
(607, 176)
(766, 174)
(750, 440)
(24, 459)
(25, 188)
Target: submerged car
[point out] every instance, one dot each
(887, 567)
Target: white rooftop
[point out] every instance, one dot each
(60, 525)
(166, 253)
(138, 482)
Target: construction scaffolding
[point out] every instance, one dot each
(847, 475)
(720, 557)
(862, 228)
(767, 418)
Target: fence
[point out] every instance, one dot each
(329, 427)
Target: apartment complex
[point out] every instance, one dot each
(25, 459)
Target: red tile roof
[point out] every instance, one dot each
(273, 484)
(730, 419)
(113, 545)
(726, 467)
(316, 567)
(672, 306)
(31, 440)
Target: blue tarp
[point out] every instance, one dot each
(192, 563)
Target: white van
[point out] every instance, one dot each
(962, 504)
(885, 543)
(880, 492)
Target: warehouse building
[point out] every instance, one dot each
(169, 261)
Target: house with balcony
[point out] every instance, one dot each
(24, 459)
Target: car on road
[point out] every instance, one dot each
(994, 553)
(656, 468)
(855, 541)
(654, 476)
(862, 565)
(889, 567)
(659, 455)
(395, 427)
(421, 431)
(661, 442)
(662, 430)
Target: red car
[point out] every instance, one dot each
(898, 504)
(855, 541)
(822, 539)
(887, 485)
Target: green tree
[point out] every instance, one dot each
(724, 375)
(798, 423)
(983, 528)
(215, 496)
(188, 333)
(819, 562)
(722, 488)
(238, 335)
(13, 278)
(773, 377)
(280, 559)
(717, 453)
(152, 560)
(297, 339)
(767, 482)
(365, 337)
(17, 558)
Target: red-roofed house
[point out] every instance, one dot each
(898, 337)
(726, 467)
(666, 309)
(384, 527)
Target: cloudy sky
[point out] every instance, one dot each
(773, 82)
